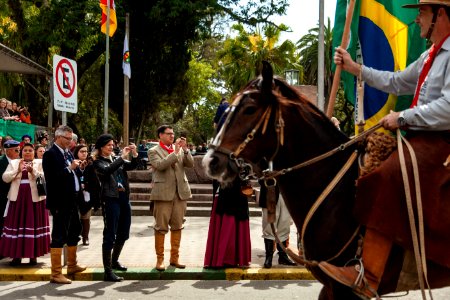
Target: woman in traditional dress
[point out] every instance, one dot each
(228, 243)
(26, 232)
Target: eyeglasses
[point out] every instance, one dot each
(169, 133)
(67, 138)
(83, 151)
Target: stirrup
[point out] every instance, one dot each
(361, 282)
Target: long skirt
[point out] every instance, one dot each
(228, 243)
(26, 232)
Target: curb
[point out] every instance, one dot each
(171, 273)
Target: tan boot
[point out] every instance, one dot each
(376, 250)
(72, 266)
(175, 239)
(57, 276)
(159, 248)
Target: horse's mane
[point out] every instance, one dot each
(287, 96)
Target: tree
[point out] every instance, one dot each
(308, 47)
(162, 34)
(242, 56)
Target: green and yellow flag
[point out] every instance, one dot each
(385, 37)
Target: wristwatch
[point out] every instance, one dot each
(401, 121)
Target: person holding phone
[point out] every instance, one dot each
(63, 188)
(27, 231)
(115, 197)
(170, 192)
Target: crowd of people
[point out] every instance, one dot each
(11, 111)
(95, 176)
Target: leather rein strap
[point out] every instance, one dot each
(418, 242)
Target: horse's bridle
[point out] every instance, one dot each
(245, 170)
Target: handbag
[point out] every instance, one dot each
(40, 184)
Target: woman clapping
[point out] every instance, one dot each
(26, 232)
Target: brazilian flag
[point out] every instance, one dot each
(383, 36)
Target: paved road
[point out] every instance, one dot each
(180, 289)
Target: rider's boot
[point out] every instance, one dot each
(376, 249)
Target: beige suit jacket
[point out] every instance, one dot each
(10, 176)
(169, 175)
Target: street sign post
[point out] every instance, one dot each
(65, 84)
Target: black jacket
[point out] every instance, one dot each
(110, 173)
(59, 180)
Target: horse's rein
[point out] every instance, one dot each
(342, 147)
(271, 174)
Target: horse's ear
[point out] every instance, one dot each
(267, 75)
(267, 79)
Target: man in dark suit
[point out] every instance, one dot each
(11, 149)
(63, 187)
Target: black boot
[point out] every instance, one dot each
(109, 274)
(283, 259)
(115, 264)
(85, 232)
(269, 253)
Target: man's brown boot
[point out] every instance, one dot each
(55, 258)
(175, 240)
(159, 248)
(72, 266)
(376, 249)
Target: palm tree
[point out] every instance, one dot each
(241, 57)
(308, 47)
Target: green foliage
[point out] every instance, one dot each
(308, 47)
(163, 35)
(241, 57)
(198, 119)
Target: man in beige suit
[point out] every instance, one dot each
(170, 192)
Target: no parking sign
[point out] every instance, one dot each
(65, 84)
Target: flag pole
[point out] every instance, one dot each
(126, 88)
(321, 60)
(105, 106)
(337, 73)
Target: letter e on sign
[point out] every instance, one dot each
(65, 84)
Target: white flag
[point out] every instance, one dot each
(126, 58)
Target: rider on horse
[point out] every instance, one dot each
(429, 79)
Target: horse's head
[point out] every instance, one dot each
(253, 129)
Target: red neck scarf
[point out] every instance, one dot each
(168, 149)
(426, 68)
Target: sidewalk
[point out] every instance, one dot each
(139, 256)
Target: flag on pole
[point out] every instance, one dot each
(126, 58)
(384, 36)
(112, 16)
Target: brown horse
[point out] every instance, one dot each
(270, 121)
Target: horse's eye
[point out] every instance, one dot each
(250, 110)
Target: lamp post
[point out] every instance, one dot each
(292, 76)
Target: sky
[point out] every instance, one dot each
(303, 15)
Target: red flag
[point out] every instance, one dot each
(112, 16)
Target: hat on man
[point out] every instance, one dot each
(26, 135)
(103, 140)
(427, 2)
(11, 144)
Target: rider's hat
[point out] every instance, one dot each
(428, 2)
